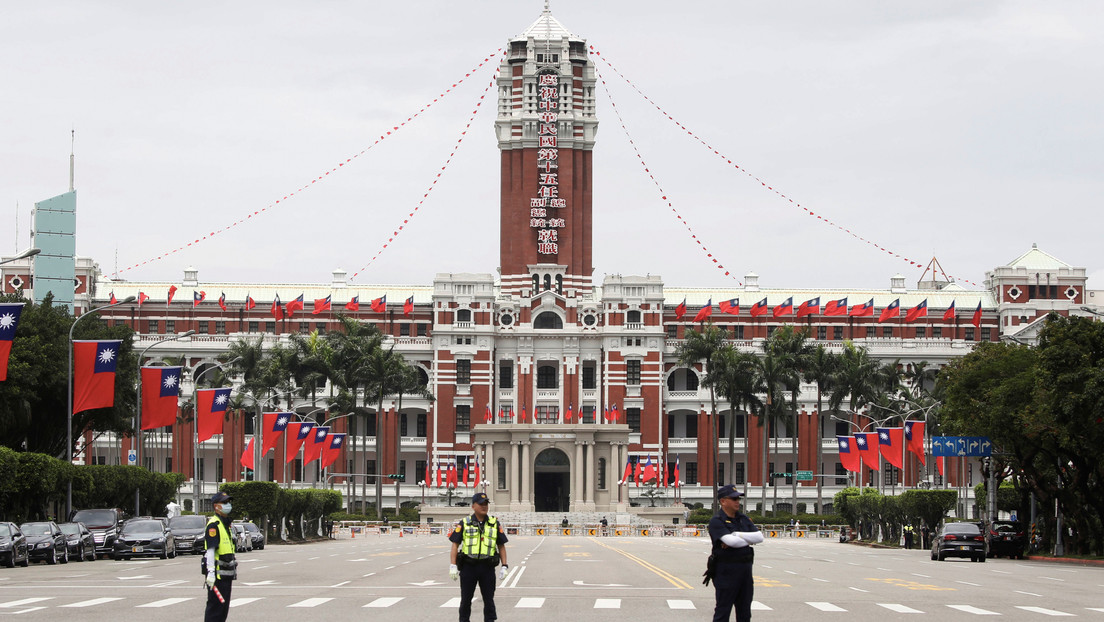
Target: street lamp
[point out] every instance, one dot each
(1092, 311)
(30, 252)
(138, 407)
(195, 429)
(69, 410)
(287, 482)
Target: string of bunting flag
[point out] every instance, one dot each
(436, 178)
(322, 176)
(663, 194)
(834, 308)
(751, 175)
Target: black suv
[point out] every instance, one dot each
(188, 532)
(45, 542)
(1006, 537)
(958, 540)
(104, 525)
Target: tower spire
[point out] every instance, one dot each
(72, 156)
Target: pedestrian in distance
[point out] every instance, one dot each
(732, 534)
(219, 565)
(564, 522)
(908, 537)
(478, 545)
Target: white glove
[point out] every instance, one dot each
(502, 572)
(210, 580)
(454, 573)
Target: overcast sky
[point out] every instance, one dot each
(963, 130)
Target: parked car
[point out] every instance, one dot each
(144, 537)
(1006, 537)
(242, 541)
(959, 540)
(254, 534)
(46, 542)
(188, 532)
(13, 546)
(79, 539)
(104, 525)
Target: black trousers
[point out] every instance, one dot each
(216, 611)
(733, 585)
(483, 575)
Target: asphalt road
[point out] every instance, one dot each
(552, 578)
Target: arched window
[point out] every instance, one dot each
(559, 284)
(632, 317)
(536, 283)
(547, 282)
(502, 473)
(463, 315)
(547, 377)
(548, 319)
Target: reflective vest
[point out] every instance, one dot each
(225, 564)
(479, 542)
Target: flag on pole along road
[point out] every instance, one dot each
(867, 443)
(786, 308)
(222, 301)
(277, 308)
(113, 299)
(294, 305)
(891, 444)
(211, 407)
(677, 458)
(848, 453)
(649, 470)
(9, 319)
(172, 292)
(274, 426)
(379, 305)
(317, 443)
(488, 417)
(892, 311)
(249, 302)
(160, 390)
(628, 472)
(408, 306)
(198, 297)
(94, 374)
(914, 439)
(809, 307)
(976, 320)
(297, 432)
(759, 308)
(142, 297)
(247, 456)
(866, 309)
(333, 449)
(917, 312)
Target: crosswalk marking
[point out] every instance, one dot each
(386, 601)
(1046, 612)
(166, 602)
(93, 602)
(25, 601)
(452, 602)
(826, 606)
(974, 610)
(607, 603)
(899, 608)
(311, 602)
(529, 603)
(238, 602)
(681, 604)
(758, 606)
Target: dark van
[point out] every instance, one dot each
(104, 525)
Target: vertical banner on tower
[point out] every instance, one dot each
(544, 214)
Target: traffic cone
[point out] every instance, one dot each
(400, 532)
(352, 533)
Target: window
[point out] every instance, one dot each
(419, 470)
(870, 332)
(987, 334)
(720, 472)
(691, 476)
(463, 418)
(672, 331)
(921, 332)
(151, 327)
(632, 417)
(632, 317)
(891, 474)
(423, 330)
(770, 330)
(254, 326)
(589, 376)
(271, 470)
(887, 331)
(505, 375)
(822, 333)
(548, 320)
(738, 331)
(369, 467)
(403, 425)
(501, 474)
(218, 469)
(738, 473)
(147, 461)
(837, 333)
(463, 315)
(601, 473)
(421, 429)
(297, 470)
(404, 330)
(547, 377)
(463, 371)
(201, 327)
(632, 372)
(270, 327)
(170, 327)
(588, 414)
(970, 333)
(168, 464)
(548, 414)
(691, 425)
(320, 328)
(559, 284)
(304, 328)
(840, 471)
(937, 332)
(220, 327)
(547, 282)
(402, 469)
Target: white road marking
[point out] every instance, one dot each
(1028, 593)
(1053, 579)
(386, 601)
(1046, 612)
(529, 603)
(339, 584)
(15, 613)
(758, 606)
(452, 602)
(93, 602)
(166, 602)
(917, 574)
(974, 610)
(238, 602)
(826, 607)
(899, 608)
(25, 601)
(968, 583)
(859, 589)
(681, 604)
(607, 603)
(311, 602)
(821, 580)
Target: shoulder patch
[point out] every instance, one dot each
(213, 531)
(457, 530)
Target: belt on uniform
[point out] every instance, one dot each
(741, 560)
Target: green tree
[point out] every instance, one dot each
(776, 372)
(702, 347)
(734, 375)
(818, 368)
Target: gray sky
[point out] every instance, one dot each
(967, 130)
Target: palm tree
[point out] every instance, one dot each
(734, 376)
(794, 342)
(702, 347)
(312, 363)
(384, 371)
(819, 367)
(776, 371)
(860, 380)
(264, 376)
(409, 383)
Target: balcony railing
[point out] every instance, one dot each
(548, 394)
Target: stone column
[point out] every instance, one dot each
(577, 494)
(513, 466)
(526, 475)
(591, 478)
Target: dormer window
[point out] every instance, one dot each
(463, 315)
(633, 317)
(548, 320)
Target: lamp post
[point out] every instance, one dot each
(138, 407)
(1092, 311)
(875, 423)
(69, 410)
(30, 252)
(287, 482)
(195, 429)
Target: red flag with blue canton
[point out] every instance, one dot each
(759, 308)
(160, 390)
(94, 374)
(616, 415)
(570, 414)
(917, 312)
(222, 301)
(277, 308)
(892, 445)
(294, 305)
(247, 455)
(353, 305)
(731, 307)
(949, 314)
(914, 439)
(320, 305)
(809, 307)
(297, 433)
(867, 443)
(836, 307)
(976, 320)
(142, 298)
(848, 453)
(705, 311)
(274, 426)
(211, 405)
(172, 292)
(408, 306)
(866, 309)
(9, 319)
(249, 302)
(680, 310)
(379, 305)
(677, 458)
(314, 447)
(786, 308)
(333, 449)
(113, 299)
(890, 312)
(198, 297)
(649, 470)
(628, 472)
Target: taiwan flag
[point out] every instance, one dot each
(160, 390)
(277, 308)
(638, 471)
(488, 416)
(649, 470)
(408, 306)
(172, 292)
(677, 475)
(866, 309)
(731, 307)
(249, 303)
(478, 476)
(320, 305)
(94, 374)
(809, 307)
(198, 297)
(353, 305)
(297, 432)
(914, 439)
(440, 471)
(211, 405)
(9, 319)
(524, 415)
(786, 308)
(332, 449)
(867, 442)
(759, 308)
(142, 297)
(890, 312)
(891, 444)
(705, 311)
(247, 456)
(274, 426)
(379, 305)
(112, 300)
(976, 320)
(949, 314)
(627, 474)
(570, 414)
(680, 310)
(314, 447)
(222, 301)
(836, 307)
(917, 312)
(848, 453)
(616, 415)
(294, 305)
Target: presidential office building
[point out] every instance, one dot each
(546, 352)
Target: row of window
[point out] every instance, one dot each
(548, 376)
(218, 327)
(986, 334)
(547, 415)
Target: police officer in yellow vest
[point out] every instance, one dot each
(219, 564)
(478, 545)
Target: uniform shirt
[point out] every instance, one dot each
(211, 539)
(457, 534)
(722, 525)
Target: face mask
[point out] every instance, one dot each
(227, 508)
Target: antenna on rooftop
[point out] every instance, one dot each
(72, 157)
(935, 283)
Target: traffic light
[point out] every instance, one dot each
(399, 477)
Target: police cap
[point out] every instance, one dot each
(728, 491)
(480, 498)
(220, 497)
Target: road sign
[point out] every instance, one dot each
(804, 476)
(969, 446)
(132, 457)
(781, 474)
(399, 477)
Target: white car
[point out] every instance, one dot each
(242, 541)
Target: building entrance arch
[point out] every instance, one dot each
(552, 481)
